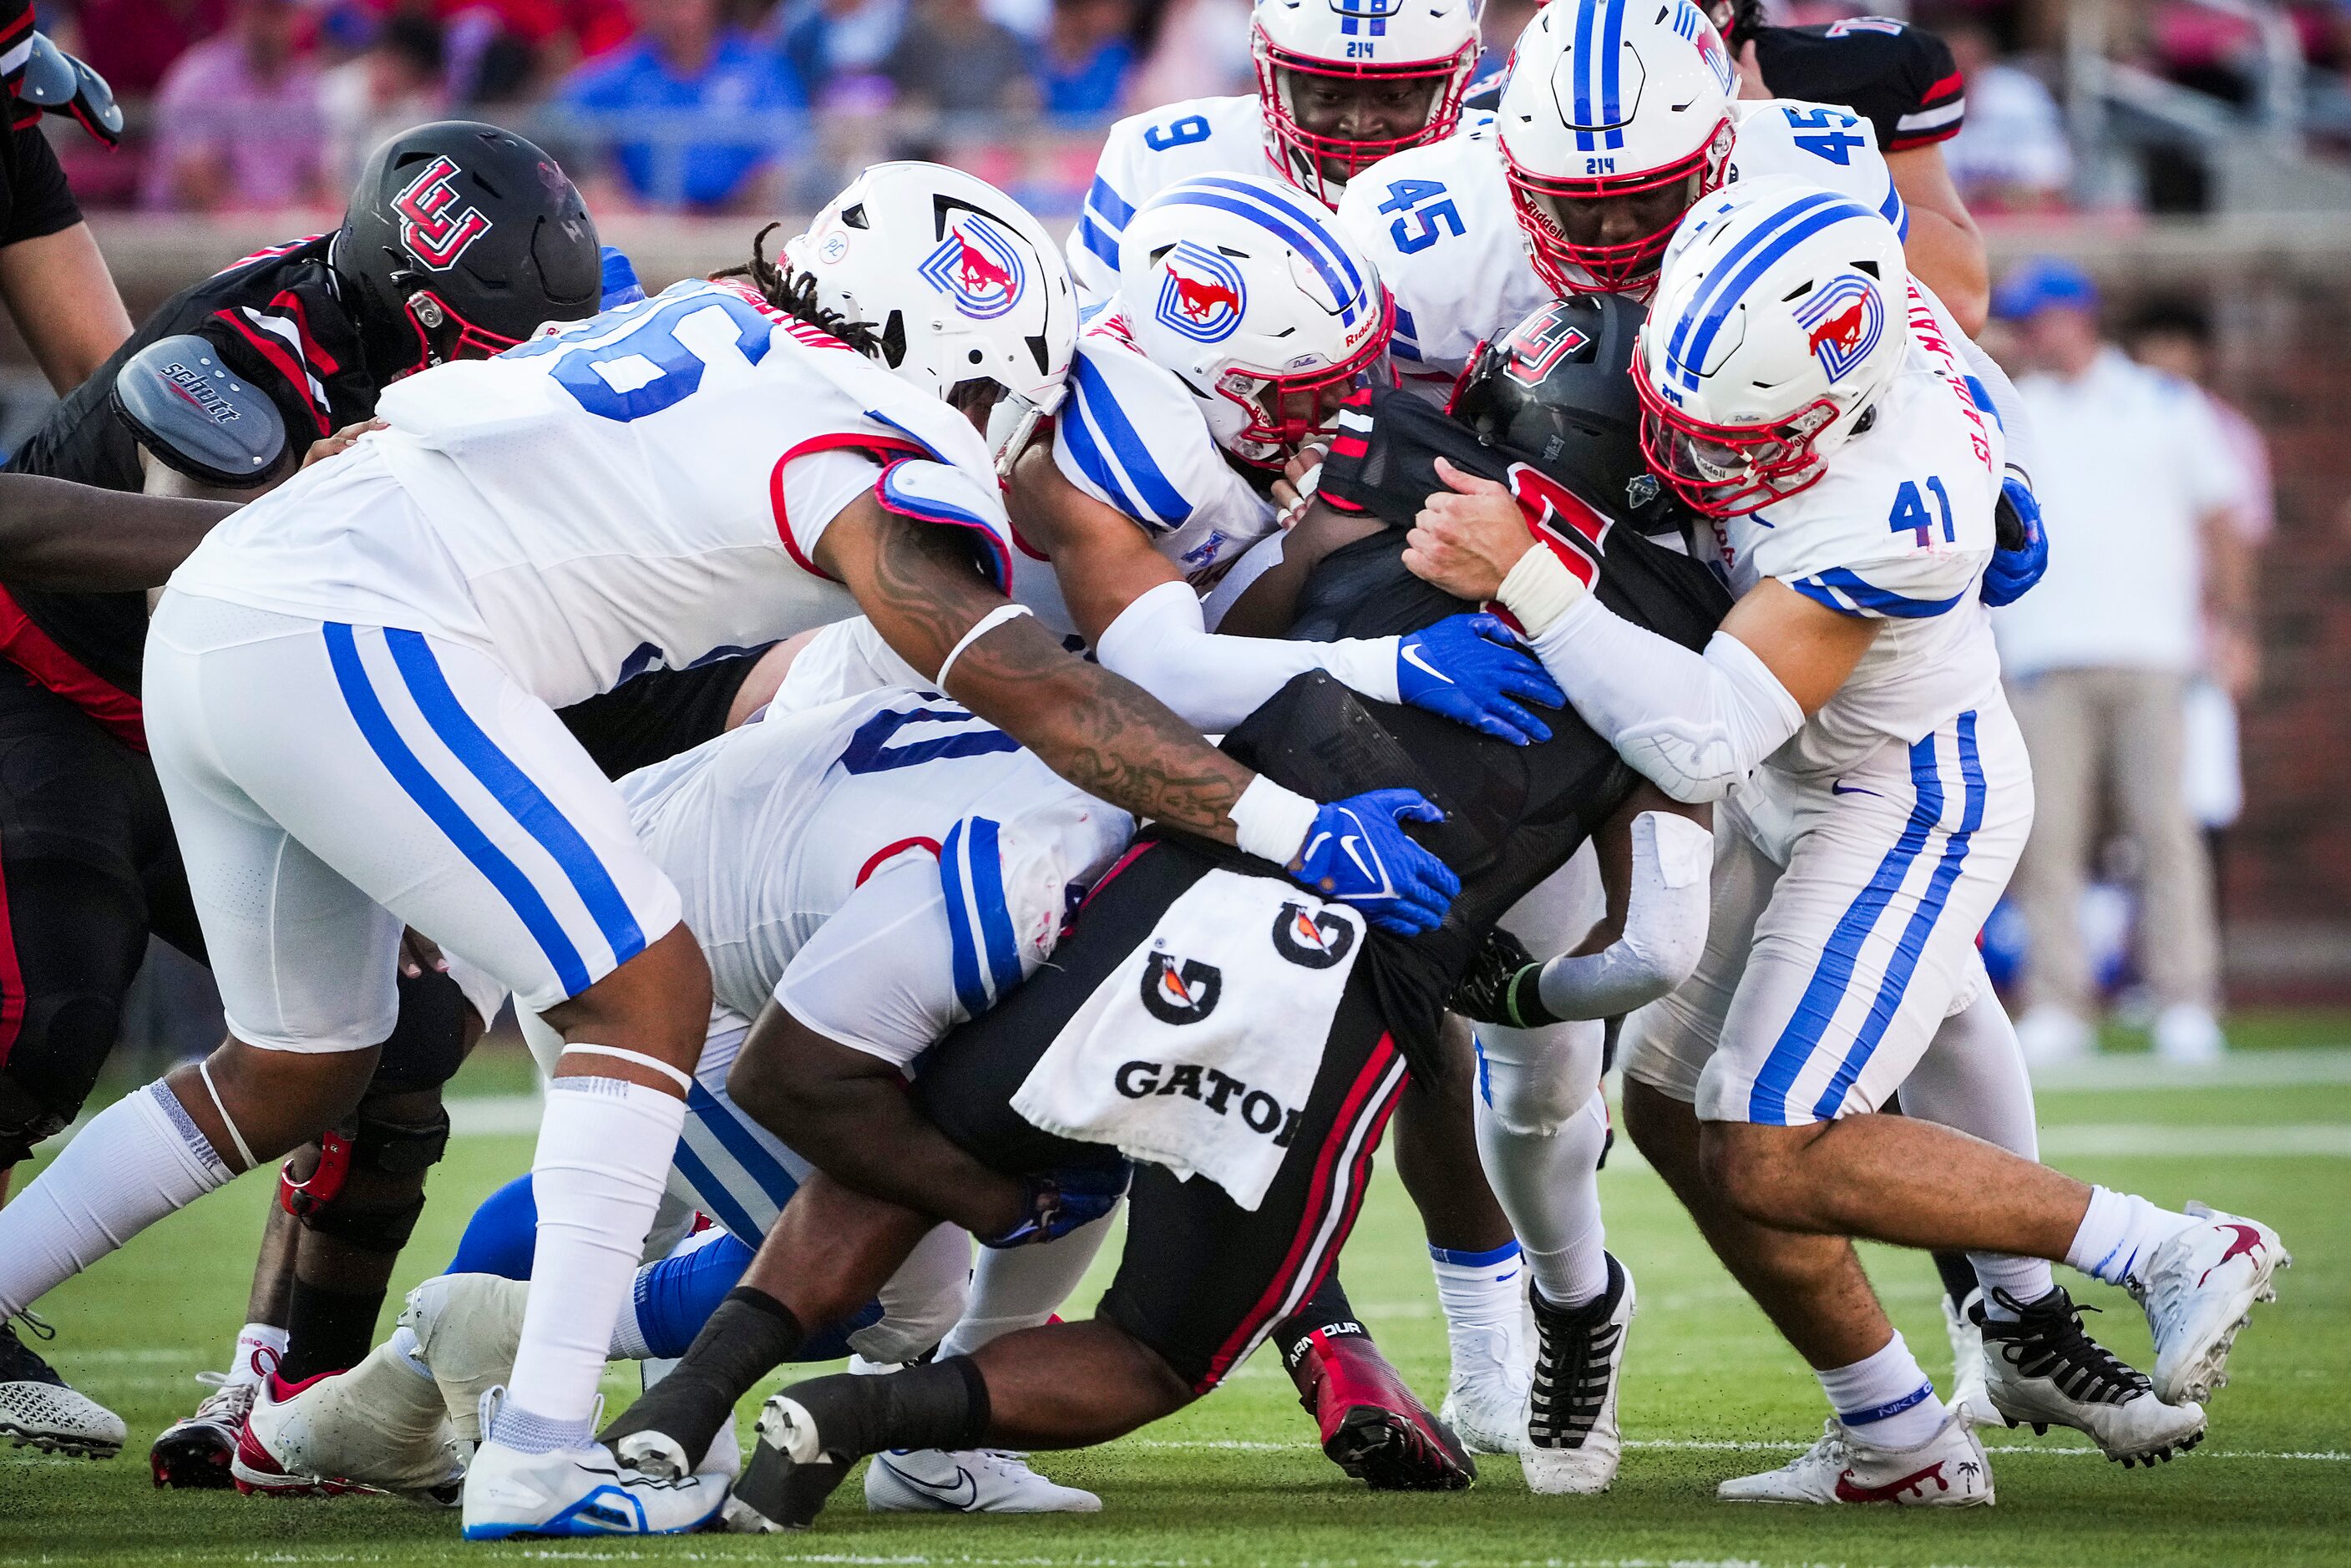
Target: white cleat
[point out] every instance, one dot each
(2044, 1371)
(37, 1406)
(984, 1480)
(378, 1427)
(1969, 1396)
(1486, 1392)
(467, 1329)
(2198, 1288)
(577, 1491)
(1573, 1441)
(1947, 1471)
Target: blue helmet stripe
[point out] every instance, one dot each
(1754, 268)
(1612, 49)
(1583, 115)
(1315, 221)
(1719, 290)
(1345, 290)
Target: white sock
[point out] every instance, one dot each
(2026, 1279)
(1885, 1398)
(604, 1150)
(2117, 1230)
(138, 1160)
(1484, 1296)
(1547, 1182)
(1013, 1288)
(259, 1349)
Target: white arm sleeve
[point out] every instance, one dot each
(2015, 424)
(1664, 926)
(1693, 724)
(1162, 644)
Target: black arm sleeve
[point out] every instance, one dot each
(39, 202)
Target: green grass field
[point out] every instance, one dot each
(1709, 1392)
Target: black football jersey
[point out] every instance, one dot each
(1514, 813)
(278, 319)
(1900, 79)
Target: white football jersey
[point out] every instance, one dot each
(768, 829)
(1898, 529)
(1439, 221)
(1131, 436)
(1145, 154)
(643, 488)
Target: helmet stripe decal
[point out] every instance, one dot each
(1612, 49)
(1721, 288)
(1318, 234)
(1755, 267)
(1583, 115)
(1340, 289)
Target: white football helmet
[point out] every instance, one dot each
(955, 277)
(1251, 293)
(1393, 73)
(1779, 321)
(1612, 99)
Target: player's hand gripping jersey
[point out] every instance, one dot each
(643, 488)
(1440, 223)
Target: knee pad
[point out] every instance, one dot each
(380, 1147)
(1534, 1093)
(427, 1044)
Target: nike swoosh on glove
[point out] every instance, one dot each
(1473, 669)
(2012, 570)
(1357, 855)
(1061, 1200)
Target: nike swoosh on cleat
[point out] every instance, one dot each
(963, 1497)
(1410, 654)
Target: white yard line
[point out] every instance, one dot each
(1731, 1446)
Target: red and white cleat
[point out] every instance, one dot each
(2198, 1289)
(1947, 1471)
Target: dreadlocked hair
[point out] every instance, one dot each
(794, 293)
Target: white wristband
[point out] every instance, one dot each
(1539, 589)
(1271, 821)
(979, 629)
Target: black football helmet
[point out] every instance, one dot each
(1558, 389)
(461, 239)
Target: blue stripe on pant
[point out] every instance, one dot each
(1832, 976)
(368, 710)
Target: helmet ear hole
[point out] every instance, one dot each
(893, 339)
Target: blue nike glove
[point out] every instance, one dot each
(2011, 572)
(620, 285)
(1474, 670)
(1357, 855)
(1061, 1200)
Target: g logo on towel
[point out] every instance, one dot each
(1180, 994)
(1311, 942)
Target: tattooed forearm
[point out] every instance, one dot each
(1102, 733)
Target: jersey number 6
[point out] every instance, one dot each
(648, 368)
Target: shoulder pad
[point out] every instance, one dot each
(950, 497)
(198, 416)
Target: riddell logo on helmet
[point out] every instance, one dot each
(977, 267)
(1201, 294)
(433, 233)
(1843, 322)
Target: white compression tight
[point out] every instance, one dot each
(1542, 1129)
(1013, 1288)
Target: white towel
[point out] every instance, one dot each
(1198, 1053)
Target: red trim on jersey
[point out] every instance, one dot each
(320, 360)
(38, 654)
(840, 441)
(1349, 446)
(1925, 138)
(1949, 87)
(286, 365)
(873, 861)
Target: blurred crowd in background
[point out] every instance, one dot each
(717, 106)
